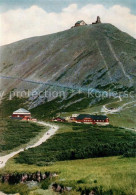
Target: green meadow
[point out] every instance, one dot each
(116, 175)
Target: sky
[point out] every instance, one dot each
(20, 19)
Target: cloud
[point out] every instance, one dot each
(35, 21)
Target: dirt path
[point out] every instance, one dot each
(1, 193)
(105, 110)
(108, 111)
(47, 135)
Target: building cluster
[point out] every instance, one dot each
(25, 115)
(85, 119)
(22, 114)
(82, 22)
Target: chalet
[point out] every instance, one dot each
(58, 119)
(92, 119)
(21, 114)
(80, 23)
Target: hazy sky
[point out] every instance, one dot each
(21, 19)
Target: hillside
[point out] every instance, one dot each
(97, 56)
(80, 141)
(86, 158)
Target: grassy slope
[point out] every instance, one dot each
(81, 141)
(14, 133)
(111, 172)
(125, 118)
(114, 173)
(58, 106)
(7, 106)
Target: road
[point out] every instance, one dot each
(120, 108)
(109, 111)
(47, 135)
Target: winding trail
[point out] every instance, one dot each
(108, 111)
(47, 135)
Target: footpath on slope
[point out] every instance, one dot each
(46, 136)
(105, 110)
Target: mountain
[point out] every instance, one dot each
(97, 56)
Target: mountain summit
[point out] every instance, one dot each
(89, 56)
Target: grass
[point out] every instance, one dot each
(114, 173)
(42, 192)
(125, 118)
(22, 189)
(119, 103)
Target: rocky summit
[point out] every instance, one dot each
(93, 56)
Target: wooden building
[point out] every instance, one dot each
(58, 119)
(80, 23)
(21, 114)
(92, 119)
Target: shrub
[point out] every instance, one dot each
(45, 184)
(130, 153)
(89, 142)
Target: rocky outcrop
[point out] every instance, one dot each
(60, 188)
(16, 178)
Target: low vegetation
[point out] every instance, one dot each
(16, 133)
(56, 106)
(22, 189)
(81, 142)
(8, 106)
